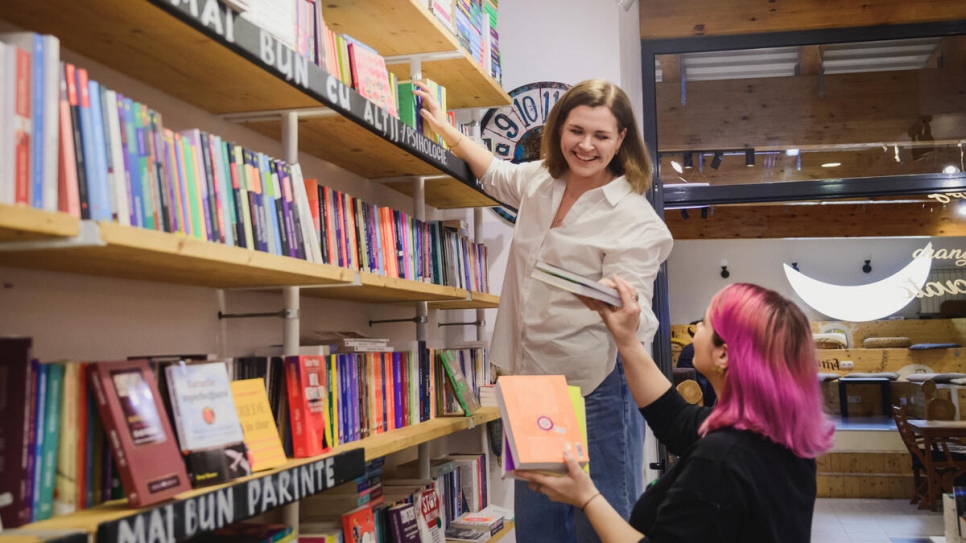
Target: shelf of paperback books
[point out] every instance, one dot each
(507, 528)
(406, 27)
(213, 507)
(398, 440)
(204, 54)
(111, 250)
(340, 141)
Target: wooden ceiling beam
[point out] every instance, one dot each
(676, 19)
(859, 108)
(818, 221)
(776, 167)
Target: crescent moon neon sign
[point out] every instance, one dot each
(861, 303)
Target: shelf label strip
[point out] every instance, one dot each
(182, 519)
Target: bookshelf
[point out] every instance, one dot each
(167, 47)
(112, 520)
(140, 37)
(137, 253)
(507, 528)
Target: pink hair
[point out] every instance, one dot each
(771, 387)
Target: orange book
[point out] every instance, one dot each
(539, 421)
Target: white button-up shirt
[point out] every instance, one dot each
(610, 230)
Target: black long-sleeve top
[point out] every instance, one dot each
(731, 485)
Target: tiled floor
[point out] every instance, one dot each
(873, 521)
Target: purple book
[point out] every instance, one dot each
(15, 422)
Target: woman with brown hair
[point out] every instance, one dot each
(582, 208)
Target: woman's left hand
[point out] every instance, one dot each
(574, 487)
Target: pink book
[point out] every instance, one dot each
(370, 77)
(68, 197)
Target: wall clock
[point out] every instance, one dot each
(514, 132)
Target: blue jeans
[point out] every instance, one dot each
(615, 435)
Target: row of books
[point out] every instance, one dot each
(473, 22)
(362, 236)
(230, 419)
(117, 162)
(402, 508)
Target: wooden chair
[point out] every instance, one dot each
(948, 457)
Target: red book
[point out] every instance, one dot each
(23, 129)
(359, 525)
(308, 400)
(145, 449)
(371, 78)
(68, 198)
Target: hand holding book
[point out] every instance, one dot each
(574, 487)
(622, 321)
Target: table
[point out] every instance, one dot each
(934, 431)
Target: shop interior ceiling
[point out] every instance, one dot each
(815, 112)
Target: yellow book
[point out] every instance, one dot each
(258, 424)
(581, 411)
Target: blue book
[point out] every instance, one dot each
(37, 451)
(51, 434)
(98, 187)
(39, 63)
(133, 164)
(223, 177)
(269, 201)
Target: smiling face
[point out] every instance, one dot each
(589, 140)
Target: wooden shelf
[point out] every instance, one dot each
(148, 255)
(136, 253)
(477, 300)
(406, 27)
(106, 521)
(346, 462)
(410, 436)
(142, 39)
(467, 85)
(380, 288)
(447, 193)
(23, 223)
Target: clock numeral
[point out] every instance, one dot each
(502, 150)
(527, 108)
(505, 123)
(547, 104)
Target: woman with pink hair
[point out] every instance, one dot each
(746, 467)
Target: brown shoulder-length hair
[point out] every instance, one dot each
(632, 159)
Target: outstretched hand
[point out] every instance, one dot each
(621, 321)
(574, 487)
(431, 110)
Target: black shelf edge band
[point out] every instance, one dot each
(181, 519)
(226, 27)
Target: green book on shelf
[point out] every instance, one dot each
(464, 394)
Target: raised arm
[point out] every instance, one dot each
(477, 156)
(644, 378)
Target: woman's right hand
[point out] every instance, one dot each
(622, 322)
(433, 114)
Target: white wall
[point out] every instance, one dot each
(695, 265)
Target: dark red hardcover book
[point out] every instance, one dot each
(15, 429)
(145, 449)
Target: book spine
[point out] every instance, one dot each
(213, 217)
(37, 110)
(102, 406)
(153, 133)
(226, 195)
(51, 107)
(50, 430)
(67, 196)
(99, 190)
